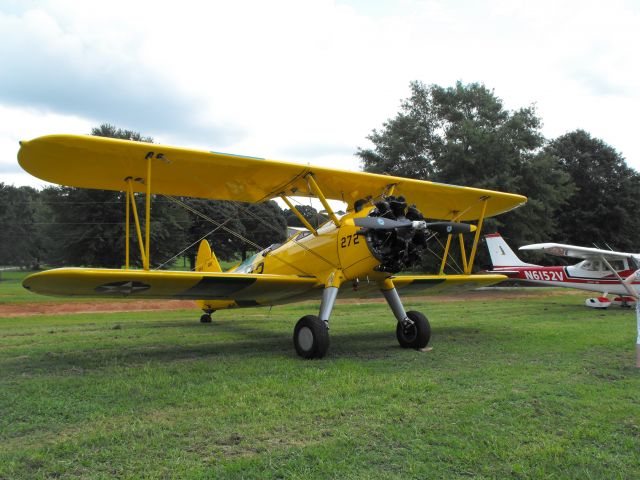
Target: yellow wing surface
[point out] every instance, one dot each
(105, 163)
(239, 290)
(435, 284)
(242, 289)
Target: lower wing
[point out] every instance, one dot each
(435, 284)
(419, 285)
(243, 289)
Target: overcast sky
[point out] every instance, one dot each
(306, 81)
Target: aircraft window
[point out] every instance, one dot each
(303, 234)
(270, 248)
(596, 266)
(618, 265)
(586, 265)
(245, 267)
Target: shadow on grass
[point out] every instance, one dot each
(253, 343)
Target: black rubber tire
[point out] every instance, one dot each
(205, 318)
(311, 337)
(417, 335)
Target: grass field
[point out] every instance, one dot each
(519, 384)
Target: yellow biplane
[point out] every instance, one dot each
(354, 255)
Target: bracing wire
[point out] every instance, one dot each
(187, 248)
(264, 222)
(230, 231)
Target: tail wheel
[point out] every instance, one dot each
(416, 335)
(311, 337)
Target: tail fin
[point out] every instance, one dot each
(501, 253)
(206, 260)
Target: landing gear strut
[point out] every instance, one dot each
(413, 329)
(311, 335)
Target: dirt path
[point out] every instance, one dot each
(45, 308)
(61, 308)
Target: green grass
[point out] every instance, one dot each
(531, 387)
(11, 290)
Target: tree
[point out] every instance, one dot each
(111, 131)
(603, 208)
(312, 216)
(22, 214)
(224, 244)
(261, 223)
(88, 225)
(463, 135)
(264, 223)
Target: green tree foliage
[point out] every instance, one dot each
(312, 216)
(111, 131)
(225, 245)
(22, 215)
(88, 226)
(264, 224)
(603, 208)
(463, 135)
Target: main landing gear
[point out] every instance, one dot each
(413, 329)
(206, 316)
(311, 333)
(414, 333)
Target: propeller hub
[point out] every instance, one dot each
(397, 234)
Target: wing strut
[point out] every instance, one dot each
(626, 286)
(298, 214)
(316, 189)
(131, 204)
(467, 262)
(474, 248)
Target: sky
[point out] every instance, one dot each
(306, 81)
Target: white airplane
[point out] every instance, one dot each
(599, 271)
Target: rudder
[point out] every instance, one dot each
(501, 253)
(206, 260)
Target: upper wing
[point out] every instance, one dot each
(106, 163)
(562, 250)
(243, 289)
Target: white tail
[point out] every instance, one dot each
(501, 253)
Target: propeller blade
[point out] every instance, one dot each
(451, 227)
(380, 223)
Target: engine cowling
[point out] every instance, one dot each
(401, 247)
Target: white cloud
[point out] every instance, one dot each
(307, 81)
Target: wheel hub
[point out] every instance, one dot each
(305, 338)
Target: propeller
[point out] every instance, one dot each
(397, 234)
(450, 227)
(381, 223)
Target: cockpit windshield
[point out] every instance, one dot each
(246, 266)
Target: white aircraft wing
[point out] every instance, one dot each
(573, 251)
